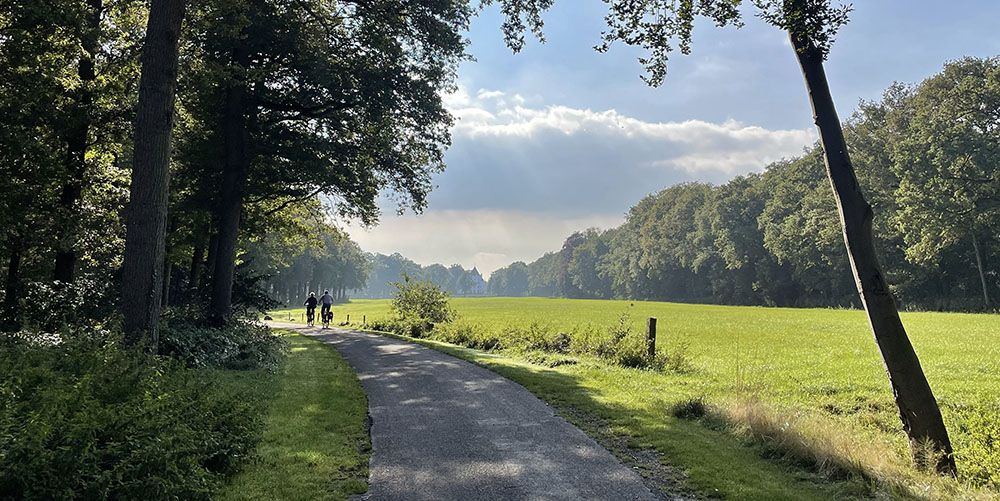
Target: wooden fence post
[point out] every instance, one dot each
(651, 338)
(348, 318)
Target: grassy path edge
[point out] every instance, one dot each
(316, 443)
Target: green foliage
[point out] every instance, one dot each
(948, 167)
(421, 300)
(977, 445)
(240, 345)
(81, 418)
(412, 327)
(53, 306)
(510, 281)
(327, 259)
(469, 334)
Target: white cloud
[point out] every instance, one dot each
(487, 239)
(523, 175)
(694, 146)
(489, 94)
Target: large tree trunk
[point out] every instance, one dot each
(146, 214)
(11, 319)
(917, 407)
(77, 138)
(982, 275)
(234, 179)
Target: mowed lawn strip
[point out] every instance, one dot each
(315, 445)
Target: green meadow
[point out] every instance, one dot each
(794, 399)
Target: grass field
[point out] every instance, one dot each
(801, 389)
(315, 445)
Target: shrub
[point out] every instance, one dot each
(83, 418)
(692, 408)
(623, 346)
(609, 346)
(240, 345)
(86, 300)
(978, 446)
(250, 292)
(421, 300)
(410, 327)
(538, 336)
(468, 334)
(675, 359)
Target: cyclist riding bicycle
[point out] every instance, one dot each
(326, 314)
(311, 308)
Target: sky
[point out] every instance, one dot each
(560, 138)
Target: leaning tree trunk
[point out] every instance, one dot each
(76, 149)
(146, 214)
(918, 409)
(234, 179)
(982, 275)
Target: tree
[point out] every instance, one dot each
(317, 97)
(735, 214)
(584, 265)
(62, 134)
(29, 145)
(422, 301)
(948, 164)
(510, 281)
(801, 230)
(146, 215)
(811, 25)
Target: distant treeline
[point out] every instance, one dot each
(928, 159)
(385, 270)
(336, 263)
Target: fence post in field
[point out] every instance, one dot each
(651, 338)
(364, 319)
(348, 318)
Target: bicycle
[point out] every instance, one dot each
(327, 318)
(311, 317)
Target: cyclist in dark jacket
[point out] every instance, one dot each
(311, 308)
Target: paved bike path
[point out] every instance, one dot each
(444, 429)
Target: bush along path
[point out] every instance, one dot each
(443, 428)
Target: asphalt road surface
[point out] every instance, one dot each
(445, 429)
